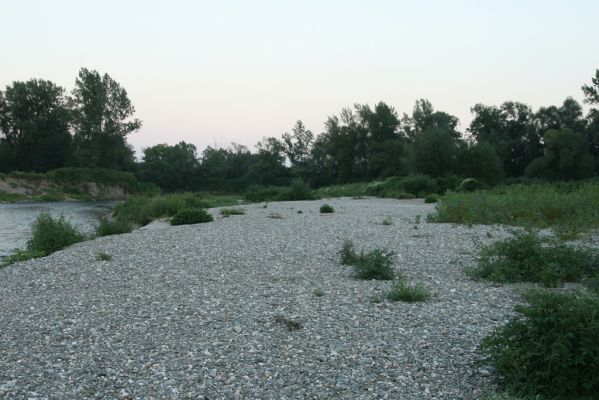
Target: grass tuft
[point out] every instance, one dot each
(101, 256)
(227, 212)
(326, 209)
(376, 264)
(402, 291)
(188, 216)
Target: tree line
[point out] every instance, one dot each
(41, 129)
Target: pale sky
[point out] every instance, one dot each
(215, 72)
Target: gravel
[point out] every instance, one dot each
(253, 307)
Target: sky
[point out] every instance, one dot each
(215, 72)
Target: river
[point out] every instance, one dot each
(16, 219)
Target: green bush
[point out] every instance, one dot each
(227, 212)
(49, 235)
(376, 264)
(101, 256)
(257, 193)
(19, 256)
(402, 291)
(299, 190)
(326, 209)
(431, 198)
(419, 185)
(470, 185)
(188, 216)
(526, 257)
(572, 206)
(114, 226)
(550, 348)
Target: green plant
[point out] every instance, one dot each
(289, 323)
(188, 216)
(298, 190)
(470, 185)
(387, 221)
(49, 235)
(318, 292)
(550, 348)
(431, 198)
(19, 256)
(402, 291)
(526, 257)
(101, 256)
(300, 212)
(226, 212)
(114, 226)
(419, 184)
(326, 209)
(376, 264)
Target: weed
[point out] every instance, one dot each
(387, 221)
(431, 198)
(289, 323)
(275, 215)
(402, 291)
(318, 292)
(376, 264)
(49, 235)
(227, 212)
(188, 216)
(526, 257)
(101, 256)
(300, 212)
(326, 209)
(113, 226)
(550, 348)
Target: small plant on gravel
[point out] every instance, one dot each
(550, 348)
(101, 256)
(376, 264)
(275, 216)
(526, 257)
(114, 226)
(318, 292)
(387, 221)
(326, 209)
(227, 212)
(188, 216)
(300, 212)
(402, 291)
(289, 323)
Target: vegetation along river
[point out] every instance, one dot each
(16, 219)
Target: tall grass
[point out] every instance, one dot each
(144, 209)
(565, 206)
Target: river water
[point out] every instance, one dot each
(16, 219)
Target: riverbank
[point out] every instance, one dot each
(191, 311)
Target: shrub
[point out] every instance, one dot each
(257, 193)
(470, 185)
(299, 190)
(114, 226)
(188, 216)
(387, 221)
(19, 256)
(376, 264)
(49, 235)
(227, 212)
(326, 209)
(550, 348)
(527, 258)
(101, 256)
(419, 184)
(402, 291)
(431, 198)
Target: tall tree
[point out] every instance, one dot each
(591, 92)
(103, 117)
(34, 130)
(172, 168)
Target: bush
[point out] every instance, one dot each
(326, 209)
(257, 193)
(527, 258)
(114, 226)
(431, 198)
(470, 185)
(188, 216)
(402, 291)
(376, 264)
(550, 348)
(419, 185)
(227, 212)
(572, 206)
(298, 190)
(49, 235)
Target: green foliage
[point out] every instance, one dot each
(376, 264)
(562, 206)
(144, 209)
(402, 291)
(470, 185)
(419, 185)
(187, 216)
(326, 209)
(346, 190)
(318, 292)
(387, 221)
(550, 348)
(172, 168)
(526, 257)
(227, 212)
(101, 256)
(19, 256)
(112, 226)
(258, 193)
(431, 198)
(49, 235)
(480, 161)
(298, 190)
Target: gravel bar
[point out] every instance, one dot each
(255, 306)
